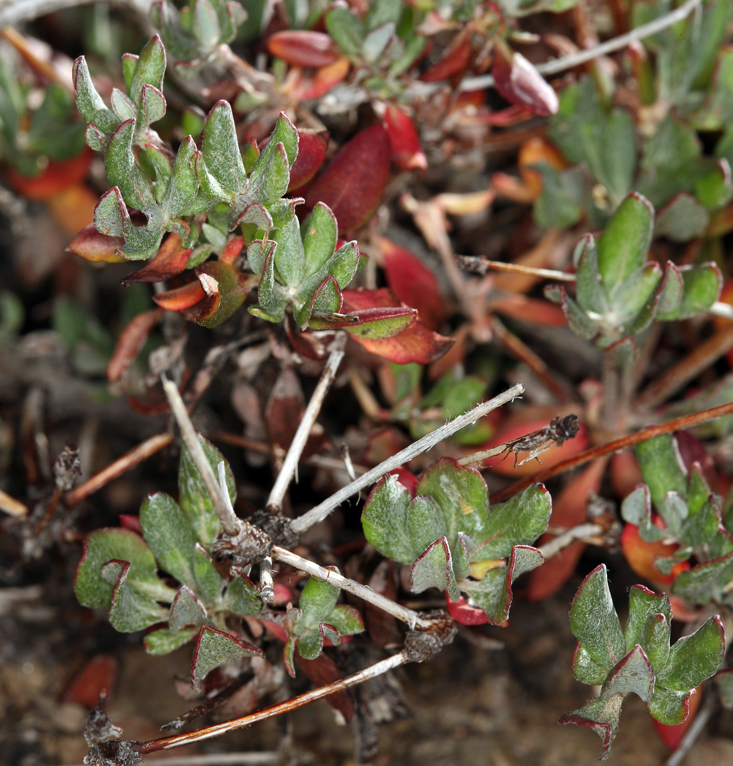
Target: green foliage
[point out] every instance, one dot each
(448, 533)
(619, 293)
(119, 572)
(692, 517)
(318, 618)
(638, 660)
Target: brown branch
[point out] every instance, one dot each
(686, 369)
(241, 441)
(679, 424)
(120, 466)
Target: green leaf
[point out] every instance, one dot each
(682, 219)
(434, 569)
(463, 395)
(623, 246)
(242, 597)
(220, 150)
(590, 293)
(563, 198)
(209, 583)
(662, 468)
(150, 68)
(215, 648)
(376, 42)
(632, 674)
(269, 184)
(518, 521)
(105, 545)
(205, 25)
(170, 536)
(425, 523)
(667, 706)
(124, 172)
(715, 188)
(706, 581)
(186, 610)
(345, 29)
(643, 603)
(702, 285)
(384, 519)
(183, 185)
(382, 12)
(631, 297)
(319, 232)
(89, 102)
(695, 658)
(162, 641)
(283, 133)
(461, 494)
(194, 497)
(594, 621)
(131, 609)
(346, 620)
(391, 321)
(655, 640)
(317, 601)
(701, 528)
(152, 107)
(586, 669)
(600, 714)
(269, 292)
(289, 255)
(670, 295)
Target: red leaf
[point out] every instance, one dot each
(130, 342)
(170, 260)
(231, 250)
(454, 60)
(323, 671)
(416, 344)
(641, 555)
(96, 247)
(406, 150)
(180, 298)
(96, 676)
(519, 82)
(354, 180)
(413, 283)
(303, 48)
(311, 153)
(464, 614)
(57, 176)
(569, 509)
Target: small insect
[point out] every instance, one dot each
(557, 432)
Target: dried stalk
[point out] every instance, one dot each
(696, 727)
(320, 512)
(586, 532)
(478, 265)
(17, 11)
(120, 466)
(208, 732)
(290, 464)
(678, 424)
(229, 522)
(402, 613)
(12, 506)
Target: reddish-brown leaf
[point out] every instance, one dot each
(53, 179)
(130, 342)
(406, 150)
(180, 298)
(416, 344)
(354, 180)
(465, 614)
(322, 81)
(323, 671)
(454, 61)
(169, 261)
(413, 283)
(231, 250)
(311, 153)
(641, 555)
(303, 48)
(569, 509)
(98, 675)
(284, 408)
(93, 246)
(520, 83)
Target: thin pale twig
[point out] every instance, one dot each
(290, 464)
(114, 470)
(587, 532)
(209, 732)
(481, 265)
(320, 512)
(402, 613)
(12, 506)
(678, 424)
(229, 522)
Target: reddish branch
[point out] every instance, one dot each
(679, 424)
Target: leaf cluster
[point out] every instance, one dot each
(452, 540)
(639, 659)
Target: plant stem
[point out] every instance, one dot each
(610, 46)
(24, 10)
(696, 727)
(290, 464)
(402, 613)
(320, 512)
(229, 522)
(120, 466)
(12, 506)
(208, 732)
(480, 265)
(678, 424)
(586, 532)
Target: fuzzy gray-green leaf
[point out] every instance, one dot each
(384, 519)
(320, 232)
